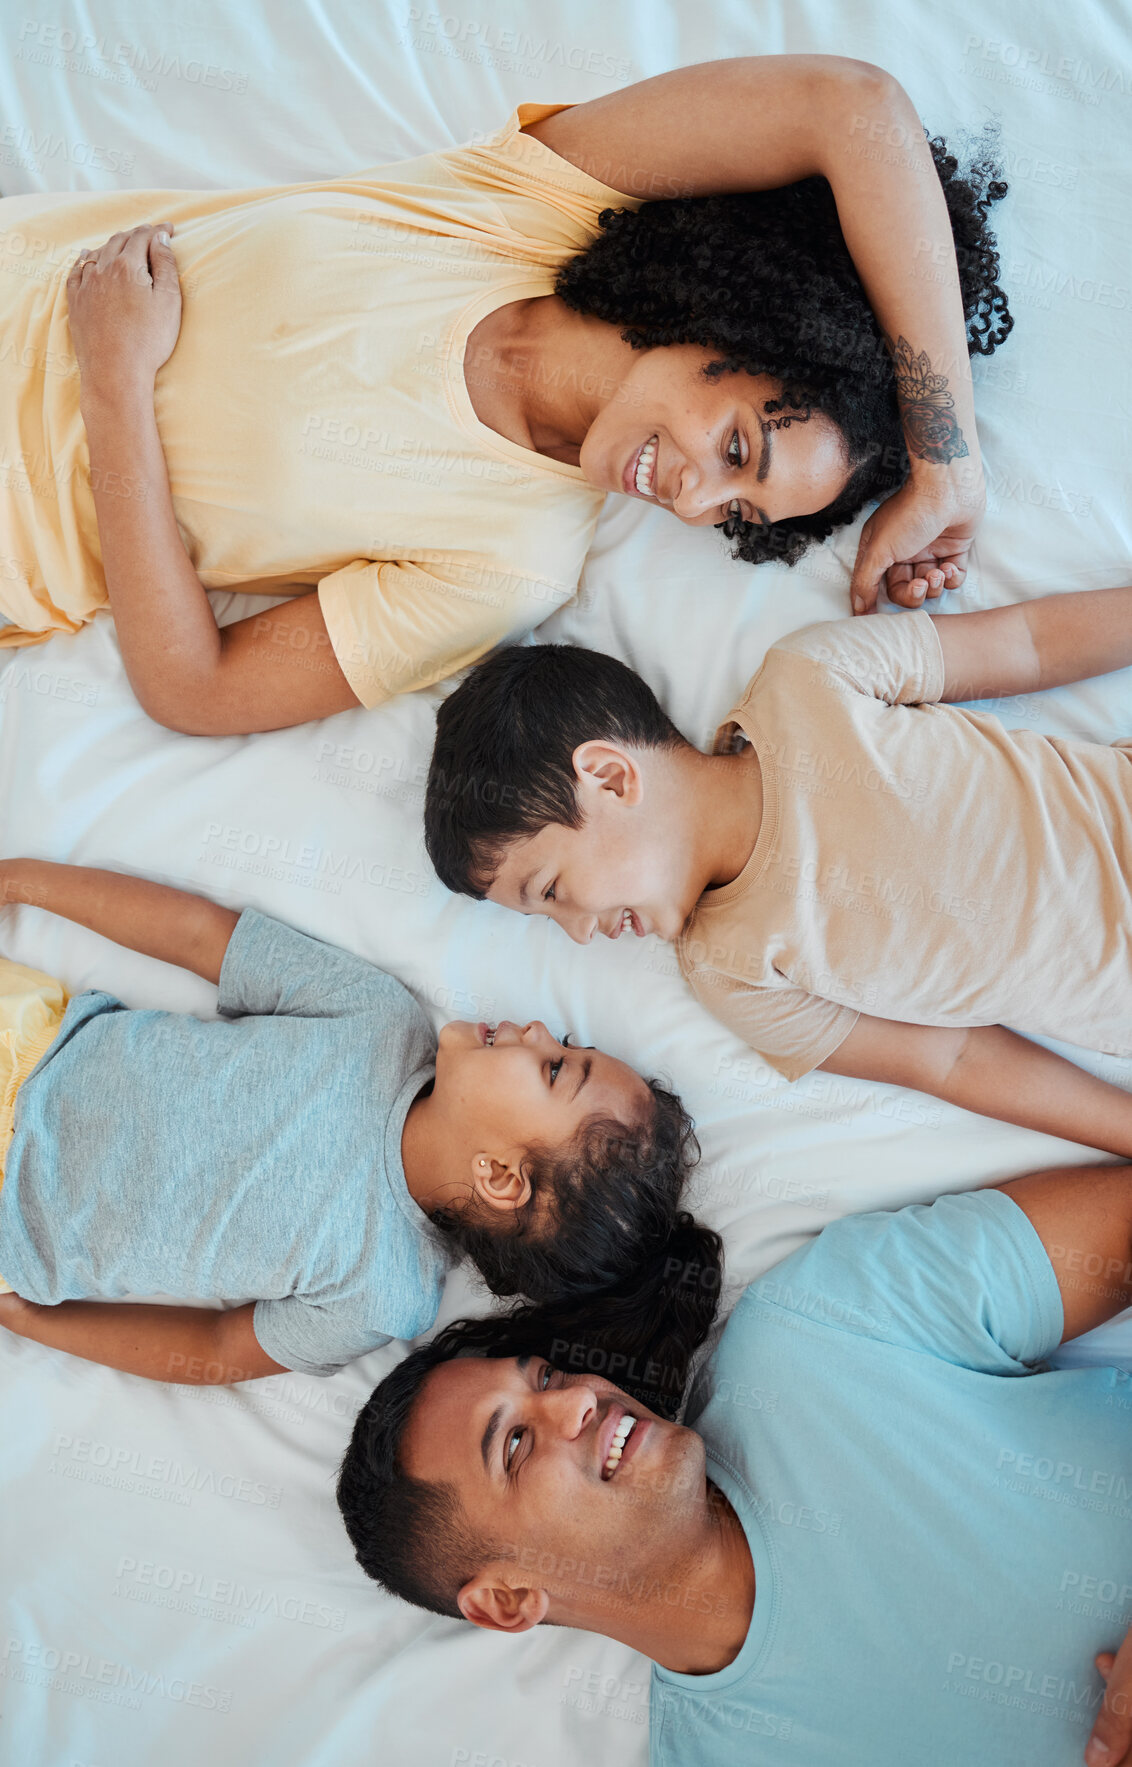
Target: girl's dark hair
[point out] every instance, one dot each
(413, 1536)
(597, 1206)
(502, 765)
(765, 280)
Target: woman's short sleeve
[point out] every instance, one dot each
(395, 627)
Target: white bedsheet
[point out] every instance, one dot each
(176, 1587)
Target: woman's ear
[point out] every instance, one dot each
(500, 1184)
(602, 766)
(498, 1608)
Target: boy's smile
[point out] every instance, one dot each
(591, 885)
(657, 828)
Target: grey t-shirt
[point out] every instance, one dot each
(256, 1156)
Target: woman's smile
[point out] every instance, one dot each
(639, 477)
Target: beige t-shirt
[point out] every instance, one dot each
(314, 413)
(915, 862)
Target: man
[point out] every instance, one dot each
(890, 1536)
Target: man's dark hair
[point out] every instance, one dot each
(502, 764)
(764, 279)
(597, 1204)
(412, 1536)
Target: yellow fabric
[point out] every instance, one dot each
(314, 413)
(31, 1010)
(915, 861)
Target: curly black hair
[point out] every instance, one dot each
(765, 279)
(598, 1206)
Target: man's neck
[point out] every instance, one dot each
(694, 1615)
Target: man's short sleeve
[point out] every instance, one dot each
(312, 1338)
(270, 968)
(396, 627)
(793, 1030)
(966, 1279)
(895, 658)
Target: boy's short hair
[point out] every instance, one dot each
(502, 767)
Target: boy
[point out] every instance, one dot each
(860, 877)
(293, 1150)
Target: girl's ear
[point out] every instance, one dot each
(602, 766)
(500, 1184)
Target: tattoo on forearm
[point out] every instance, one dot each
(927, 408)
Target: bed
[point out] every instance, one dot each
(176, 1586)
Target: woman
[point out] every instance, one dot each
(378, 390)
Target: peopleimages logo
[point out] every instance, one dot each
(223, 1598)
(92, 1677)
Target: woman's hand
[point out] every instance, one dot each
(125, 310)
(915, 544)
(1110, 1745)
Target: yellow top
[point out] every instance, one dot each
(314, 414)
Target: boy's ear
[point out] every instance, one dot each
(498, 1608)
(605, 767)
(500, 1184)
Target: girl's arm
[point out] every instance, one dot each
(756, 122)
(993, 1072)
(264, 673)
(191, 1346)
(160, 922)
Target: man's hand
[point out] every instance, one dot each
(125, 310)
(1111, 1742)
(914, 546)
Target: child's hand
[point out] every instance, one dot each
(125, 310)
(914, 546)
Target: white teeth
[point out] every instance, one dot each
(620, 1436)
(490, 1038)
(627, 920)
(643, 476)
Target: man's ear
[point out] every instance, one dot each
(602, 766)
(500, 1184)
(498, 1608)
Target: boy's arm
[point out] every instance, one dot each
(191, 1346)
(160, 922)
(994, 1072)
(1035, 644)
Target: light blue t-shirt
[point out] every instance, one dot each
(252, 1157)
(942, 1539)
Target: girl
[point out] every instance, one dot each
(313, 1147)
(413, 387)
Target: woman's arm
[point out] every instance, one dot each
(190, 1346)
(264, 673)
(993, 1072)
(160, 922)
(760, 121)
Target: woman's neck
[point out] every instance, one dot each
(539, 374)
